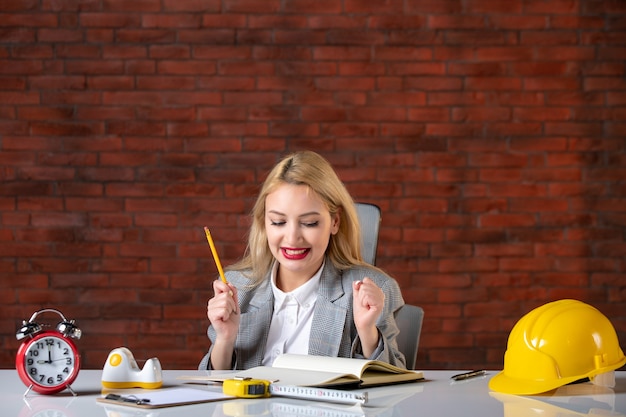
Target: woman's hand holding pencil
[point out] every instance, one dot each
(224, 303)
(222, 311)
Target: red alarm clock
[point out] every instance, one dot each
(48, 361)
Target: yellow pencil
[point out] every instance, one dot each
(215, 257)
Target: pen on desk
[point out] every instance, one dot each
(468, 375)
(214, 252)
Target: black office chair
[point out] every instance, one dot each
(409, 318)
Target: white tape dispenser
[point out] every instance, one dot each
(121, 371)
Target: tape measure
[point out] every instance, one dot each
(246, 387)
(319, 394)
(257, 388)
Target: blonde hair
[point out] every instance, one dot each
(310, 169)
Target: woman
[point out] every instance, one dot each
(301, 286)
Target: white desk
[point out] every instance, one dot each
(436, 396)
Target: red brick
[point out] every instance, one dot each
(456, 98)
(459, 23)
(346, 83)
(433, 83)
(277, 21)
(515, 129)
(542, 114)
(138, 6)
(544, 37)
(19, 98)
(378, 113)
(433, 6)
(95, 67)
(426, 114)
(388, 84)
(236, 98)
(472, 265)
(37, 297)
(17, 35)
(21, 5)
(177, 68)
(153, 36)
(179, 20)
(47, 173)
(563, 249)
(59, 35)
(459, 325)
(576, 22)
(573, 129)
(191, 6)
(39, 204)
(16, 159)
(140, 66)
(109, 20)
(616, 98)
(479, 114)
(551, 83)
(575, 53)
(99, 35)
(416, 69)
(45, 113)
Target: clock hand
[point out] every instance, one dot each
(56, 360)
(49, 358)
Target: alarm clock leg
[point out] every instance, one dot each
(72, 391)
(27, 391)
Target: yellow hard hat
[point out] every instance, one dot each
(556, 344)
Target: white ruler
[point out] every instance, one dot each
(319, 394)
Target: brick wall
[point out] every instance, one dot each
(490, 132)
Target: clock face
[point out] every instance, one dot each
(49, 362)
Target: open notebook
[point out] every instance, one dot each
(323, 371)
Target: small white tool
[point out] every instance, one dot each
(121, 371)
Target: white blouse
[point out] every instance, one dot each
(290, 329)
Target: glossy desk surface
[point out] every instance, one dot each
(437, 396)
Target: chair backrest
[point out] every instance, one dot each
(409, 317)
(409, 320)
(369, 219)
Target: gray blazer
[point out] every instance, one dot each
(333, 332)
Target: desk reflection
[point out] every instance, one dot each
(381, 402)
(575, 400)
(45, 406)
